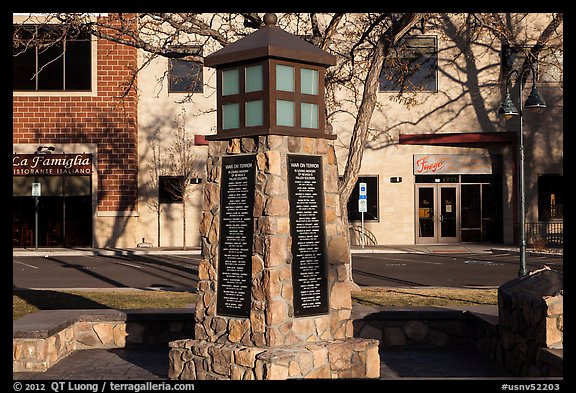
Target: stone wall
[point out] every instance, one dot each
(272, 342)
(420, 328)
(271, 321)
(41, 353)
(531, 313)
(358, 358)
(42, 339)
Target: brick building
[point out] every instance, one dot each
(74, 134)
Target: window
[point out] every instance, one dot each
(254, 113)
(308, 115)
(45, 60)
(171, 189)
(185, 76)
(413, 66)
(371, 200)
(550, 197)
(230, 116)
(242, 97)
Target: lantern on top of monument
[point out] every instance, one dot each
(270, 83)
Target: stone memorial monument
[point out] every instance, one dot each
(273, 299)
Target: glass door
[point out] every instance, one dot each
(437, 213)
(448, 218)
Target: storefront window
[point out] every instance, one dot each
(550, 198)
(62, 213)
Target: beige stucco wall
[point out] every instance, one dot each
(467, 101)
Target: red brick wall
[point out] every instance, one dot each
(108, 119)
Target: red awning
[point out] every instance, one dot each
(459, 139)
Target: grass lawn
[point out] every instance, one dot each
(26, 301)
(418, 297)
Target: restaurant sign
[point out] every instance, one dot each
(434, 164)
(51, 164)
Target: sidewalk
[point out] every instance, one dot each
(475, 248)
(395, 364)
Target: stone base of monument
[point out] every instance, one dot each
(201, 360)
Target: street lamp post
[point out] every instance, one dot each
(534, 102)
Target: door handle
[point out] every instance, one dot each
(441, 218)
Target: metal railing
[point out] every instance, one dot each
(356, 236)
(545, 234)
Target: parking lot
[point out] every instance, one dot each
(174, 271)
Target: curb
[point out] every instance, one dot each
(100, 252)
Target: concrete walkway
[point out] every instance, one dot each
(138, 365)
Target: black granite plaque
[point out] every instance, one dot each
(236, 236)
(307, 228)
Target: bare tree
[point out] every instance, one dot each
(184, 164)
(155, 168)
(178, 161)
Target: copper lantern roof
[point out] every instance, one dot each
(270, 41)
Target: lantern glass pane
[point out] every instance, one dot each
(254, 113)
(230, 116)
(254, 78)
(285, 113)
(309, 81)
(308, 115)
(230, 82)
(284, 78)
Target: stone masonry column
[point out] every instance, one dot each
(273, 296)
(270, 341)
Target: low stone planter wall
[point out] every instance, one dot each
(436, 327)
(42, 339)
(531, 318)
(347, 358)
(430, 327)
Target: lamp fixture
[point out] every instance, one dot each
(508, 110)
(45, 149)
(535, 102)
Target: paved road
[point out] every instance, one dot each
(88, 271)
(443, 269)
(181, 271)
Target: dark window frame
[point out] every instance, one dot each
(193, 80)
(550, 208)
(413, 80)
(372, 194)
(171, 189)
(61, 65)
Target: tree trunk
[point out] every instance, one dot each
(158, 225)
(184, 222)
(365, 111)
